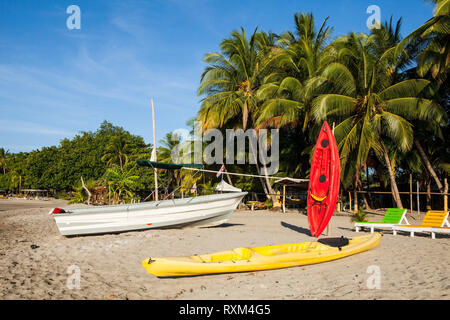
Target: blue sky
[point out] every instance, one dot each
(56, 82)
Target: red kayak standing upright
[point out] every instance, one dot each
(324, 178)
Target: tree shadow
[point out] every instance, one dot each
(296, 228)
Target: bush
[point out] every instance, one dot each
(359, 216)
(79, 196)
(62, 195)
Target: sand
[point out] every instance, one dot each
(35, 260)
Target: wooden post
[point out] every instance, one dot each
(284, 198)
(410, 193)
(350, 201)
(228, 176)
(418, 200)
(154, 152)
(445, 196)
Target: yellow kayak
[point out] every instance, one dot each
(261, 258)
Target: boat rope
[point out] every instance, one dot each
(243, 174)
(176, 189)
(197, 170)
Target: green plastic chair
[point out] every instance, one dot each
(392, 217)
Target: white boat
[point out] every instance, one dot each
(222, 186)
(196, 211)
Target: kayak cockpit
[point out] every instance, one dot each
(225, 256)
(290, 248)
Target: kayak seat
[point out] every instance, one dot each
(335, 242)
(287, 248)
(231, 255)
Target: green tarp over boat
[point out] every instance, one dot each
(170, 166)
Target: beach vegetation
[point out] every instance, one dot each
(385, 95)
(359, 216)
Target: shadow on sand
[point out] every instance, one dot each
(296, 228)
(223, 225)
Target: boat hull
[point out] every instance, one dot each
(324, 181)
(258, 258)
(196, 211)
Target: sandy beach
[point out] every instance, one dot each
(35, 259)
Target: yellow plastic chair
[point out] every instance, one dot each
(433, 222)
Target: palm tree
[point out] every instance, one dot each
(3, 156)
(308, 47)
(429, 134)
(167, 146)
(371, 109)
(117, 151)
(435, 36)
(16, 180)
(433, 60)
(287, 100)
(230, 82)
(121, 183)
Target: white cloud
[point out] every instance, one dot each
(33, 128)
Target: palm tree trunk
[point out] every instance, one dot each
(366, 169)
(428, 183)
(428, 165)
(269, 186)
(266, 184)
(258, 169)
(121, 165)
(263, 183)
(245, 116)
(359, 187)
(394, 188)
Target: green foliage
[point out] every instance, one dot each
(269, 204)
(79, 195)
(383, 93)
(359, 216)
(361, 82)
(207, 188)
(117, 149)
(122, 184)
(3, 159)
(60, 194)
(88, 155)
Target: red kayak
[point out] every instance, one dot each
(324, 177)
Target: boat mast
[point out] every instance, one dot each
(153, 157)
